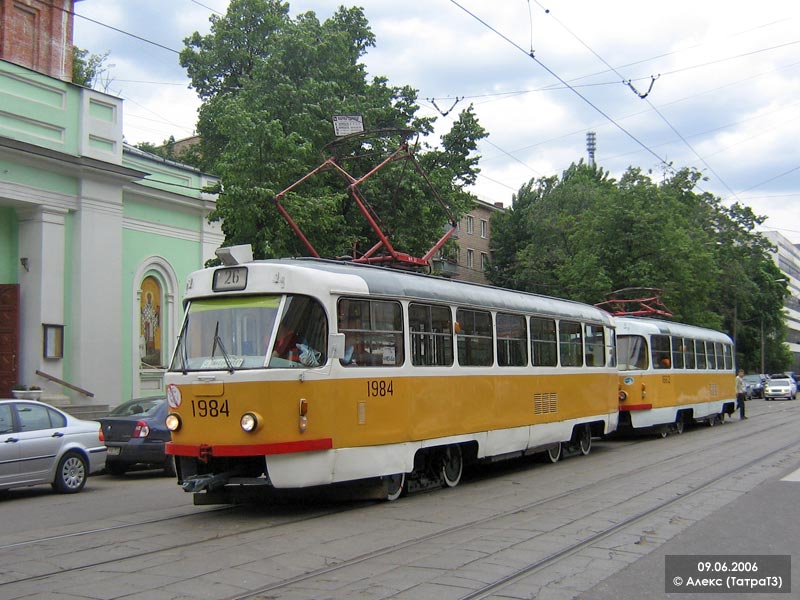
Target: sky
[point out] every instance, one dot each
(710, 84)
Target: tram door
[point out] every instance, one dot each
(9, 337)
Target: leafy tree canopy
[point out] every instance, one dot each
(584, 234)
(270, 85)
(87, 69)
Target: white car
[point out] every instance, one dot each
(780, 387)
(41, 444)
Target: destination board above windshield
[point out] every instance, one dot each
(231, 279)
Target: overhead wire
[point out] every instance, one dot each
(645, 98)
(117, 29)
(565, 84)
(571, 85)
(147, 41)
(634, 79)
(608, 117)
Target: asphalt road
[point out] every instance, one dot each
(596, 528)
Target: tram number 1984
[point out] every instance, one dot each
(210, 408)
(379, 387)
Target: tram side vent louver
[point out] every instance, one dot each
(713, 390)
(545, 403)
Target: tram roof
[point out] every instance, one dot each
(630, 325)
(394, 283)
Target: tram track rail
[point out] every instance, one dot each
(554, 558)
(410, 543)
(538, 565)
(109, 528)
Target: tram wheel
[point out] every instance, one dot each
(395, 486)
(679, 425)
(554, 453)
(452, 466)
(585, 440)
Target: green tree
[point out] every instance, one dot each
(88, 68)
(270, 85)
(583, 235)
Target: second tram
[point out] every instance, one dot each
(673, 374)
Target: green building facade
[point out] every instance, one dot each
(96, 241)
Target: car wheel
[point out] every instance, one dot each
(71, 473)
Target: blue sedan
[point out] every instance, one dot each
(135, 434)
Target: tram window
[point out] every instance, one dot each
(544, 345)
(474, 337)
(728, 356)
(302, 334)
(595, 346)
(512, 341)
(373, 331)
(688, 353)
(659, 346)
(718, 355)
(700, 353)
(632, 352)
(570, 344)
(677, 353)
(711, 361)
(431, 335)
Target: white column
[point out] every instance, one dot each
(41, 251)
(97, 292)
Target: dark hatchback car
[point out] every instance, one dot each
(135, 434)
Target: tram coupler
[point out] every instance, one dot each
(199, 483)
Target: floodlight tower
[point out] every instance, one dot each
(591, 146)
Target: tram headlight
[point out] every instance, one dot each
(173, 422)
(622, 395)
(250, 421)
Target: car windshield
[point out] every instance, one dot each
(779, 381)
(140, 407)
(752, 378)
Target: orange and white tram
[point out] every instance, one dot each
(304, 372)
(673, 374)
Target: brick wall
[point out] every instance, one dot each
(37, 34)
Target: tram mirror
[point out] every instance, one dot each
(335, 345)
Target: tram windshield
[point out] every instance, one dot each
(229, 334)
(631, 353)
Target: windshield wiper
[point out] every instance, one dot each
(179, 360)
(218, 343)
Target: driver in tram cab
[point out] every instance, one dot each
(286, 346)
